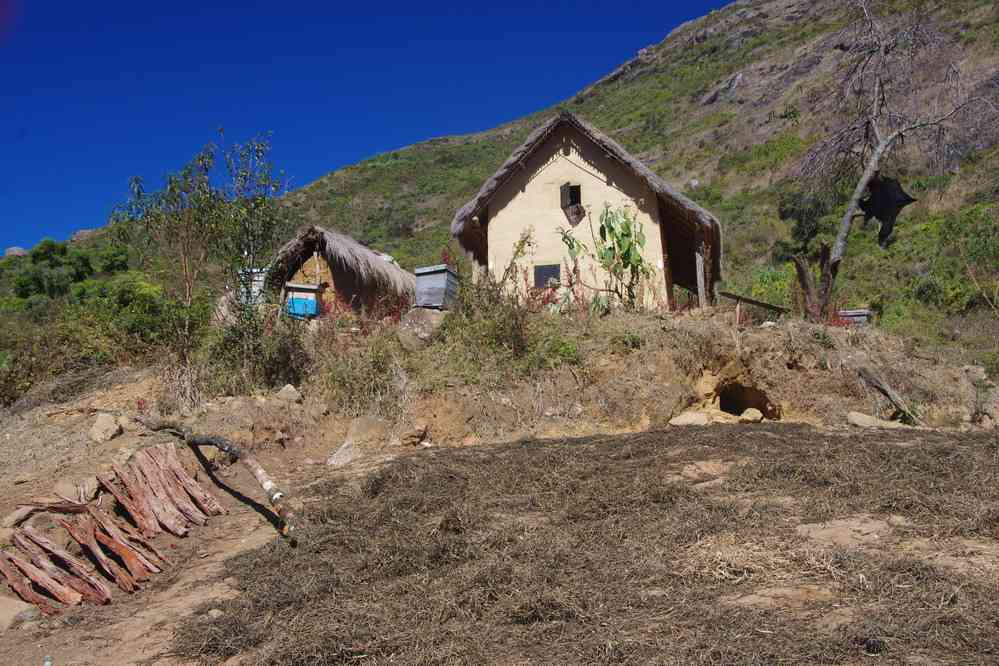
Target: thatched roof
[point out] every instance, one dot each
(340, 251)
(674, 202)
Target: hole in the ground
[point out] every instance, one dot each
(737, 398)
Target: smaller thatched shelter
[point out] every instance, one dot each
(335, 272)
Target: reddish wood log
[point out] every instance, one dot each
(138, 564)
(166, 513)
(22, 586)
(83, 533)
(138, 492)
(111, 528)
(41, 560)
(125, 554)
(62, 593)
(173, 488)
(134, 509)
(151, 551)
(204, 499)
(23, 511)
(274, 494)
(77, 566)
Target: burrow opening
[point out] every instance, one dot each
(736, 398)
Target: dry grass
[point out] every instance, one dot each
(596, 551)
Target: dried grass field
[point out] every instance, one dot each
(765, 544)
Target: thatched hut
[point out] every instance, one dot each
(567, 171)
(322, 271)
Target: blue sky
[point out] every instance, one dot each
(95, 92)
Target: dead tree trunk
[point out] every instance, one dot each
(274, 494)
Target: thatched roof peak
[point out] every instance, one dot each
(340, 250)
(672, 198)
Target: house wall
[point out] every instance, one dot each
(531, 200)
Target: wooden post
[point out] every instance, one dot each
(702, 291)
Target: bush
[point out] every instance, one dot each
(360, 376)
(255, 351)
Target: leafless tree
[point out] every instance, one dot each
(902, 83)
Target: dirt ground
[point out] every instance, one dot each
(727, 544)
(558, 522)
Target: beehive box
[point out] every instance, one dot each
(436, 287)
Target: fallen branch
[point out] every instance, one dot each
(274, 494)
(25, 510)
(872, 379)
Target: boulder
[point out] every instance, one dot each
(751, 415)
(289, 394)
(417, 328)
(691, 419)
(14, 611)
(365, 433)
(343, 456)
(419, 434)
(865, 421)
(105, 428)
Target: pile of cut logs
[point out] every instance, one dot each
(153, 491)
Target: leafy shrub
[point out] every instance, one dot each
(360, 376)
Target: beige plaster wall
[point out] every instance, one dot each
(531, 200)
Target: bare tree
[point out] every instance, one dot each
(902, 82)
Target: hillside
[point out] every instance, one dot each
(728, 102)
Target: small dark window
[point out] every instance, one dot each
(572, 195)
(545, 274)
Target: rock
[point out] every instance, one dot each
(975, 373)
(105, 429)
(417, 328)
(6, 533)
(66, 488)
(865, 421)
(751, 415)
(707, 386)
(691, 419)
(470, 440)
(289, 394)
(128, 424)
(343, 456)
(768, 324)
(364, 434)
(15, 252)
(14, 611)
(416, 436)
(125, 453)
(215, 613)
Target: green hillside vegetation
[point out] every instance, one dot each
(723, 108)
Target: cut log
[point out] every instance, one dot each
(111, 528)
(204, 499)
(62, 593)
(138, 491)
(23, 511)
(135, 568)
(138, 564)
(174, 490)
(83, 533)
(77, 566)
(22, 586)
(157, 556)
(166, 513)
(41, 560)
(146, 523)
(274, 494)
